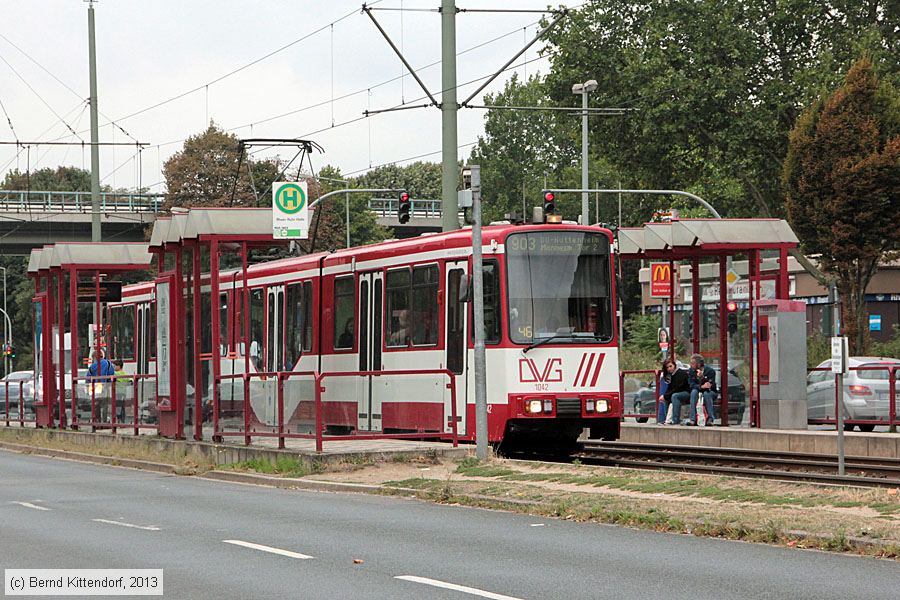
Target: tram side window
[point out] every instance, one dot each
(398, 318)
(257, 326)
(344, 313)
(223, 322)
(299, 338)
(425, 305)
(205, 324)
(122, 327)
(491, 287)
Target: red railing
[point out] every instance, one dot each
(105, 398)
(867, 407)
(631, 400)
(23, 405)
(237, 417)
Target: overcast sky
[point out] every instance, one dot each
(151, 51)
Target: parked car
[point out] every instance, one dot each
(13, 385)
(644, 399)
(867, 393)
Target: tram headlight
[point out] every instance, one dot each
(602, 405)
(589, 405)
(533, 406)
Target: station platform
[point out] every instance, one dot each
(876, 444)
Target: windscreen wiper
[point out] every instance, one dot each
(542, 341)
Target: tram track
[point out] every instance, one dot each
(790, 466)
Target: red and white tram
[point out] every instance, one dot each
(551, 339)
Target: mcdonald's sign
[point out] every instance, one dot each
(660, 280)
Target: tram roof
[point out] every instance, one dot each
(89, 255)
(697, 235)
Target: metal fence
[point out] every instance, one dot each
(115, 402)
(18, 402)
(296, 404)
(22, 201)
(870, 396)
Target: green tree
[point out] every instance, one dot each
(60, 179)
(205, 171)
(715, 85)
(364, 227)
(840, 180)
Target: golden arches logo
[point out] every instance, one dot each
(661, 273)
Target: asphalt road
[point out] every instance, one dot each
(185, 522)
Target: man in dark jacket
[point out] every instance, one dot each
(703, 382)
(679, 390)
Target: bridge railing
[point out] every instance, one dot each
(24, 201)
(386, 207)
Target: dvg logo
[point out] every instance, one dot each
(551, 373)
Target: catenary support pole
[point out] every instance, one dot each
(585, 208)
(481, 425)
(449, 167)
(95, 137)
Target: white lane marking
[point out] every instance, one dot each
(30, 505)
(267, 549)
(537, 524)
(121, 524)
(455, 587)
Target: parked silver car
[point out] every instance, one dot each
(866, 391)
(16, 384)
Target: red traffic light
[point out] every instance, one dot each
(549, 197)
(404, 197)
(731, 306)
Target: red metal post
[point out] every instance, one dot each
(752, 273)
(671, 309)
(179, 366)
(198, 363)
(216, 333)
(784, 286)
(695, 305)
(319, 424)
(452, 386)
(73, 340)
(892, 401)
(112, 400)
(98, 332)
(723, 339)
(246, 345)
(61, 360)
(136, 408)
(22, 408)
(6, 401)
(279, 381)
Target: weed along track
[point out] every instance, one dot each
(792, 466)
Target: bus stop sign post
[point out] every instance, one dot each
(472, 173)
(839, 368)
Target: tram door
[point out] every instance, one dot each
(144, 336)
(456, 352)
(369, 401)
(274, 355)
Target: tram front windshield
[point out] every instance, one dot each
(559, 287)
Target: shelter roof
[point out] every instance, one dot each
(89, 255)
(694, 236)
(196, 223)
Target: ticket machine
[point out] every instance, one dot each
(781, 335)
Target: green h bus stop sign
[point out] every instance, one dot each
(290, 210)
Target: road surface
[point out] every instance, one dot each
(219, 540)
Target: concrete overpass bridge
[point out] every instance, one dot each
(30, 219)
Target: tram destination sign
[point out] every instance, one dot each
(110, 291)
(290, 210)
(558, 243)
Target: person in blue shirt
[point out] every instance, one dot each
(702, 379)
(102, 368)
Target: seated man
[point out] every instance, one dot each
(703, 381)
(678, 391)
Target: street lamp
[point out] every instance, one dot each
(584, 89)
(346, 202)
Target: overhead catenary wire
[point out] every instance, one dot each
(41, 98)
(9, 121)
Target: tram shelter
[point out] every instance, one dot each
(69, 277)
(192, 247)
(693, 240)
